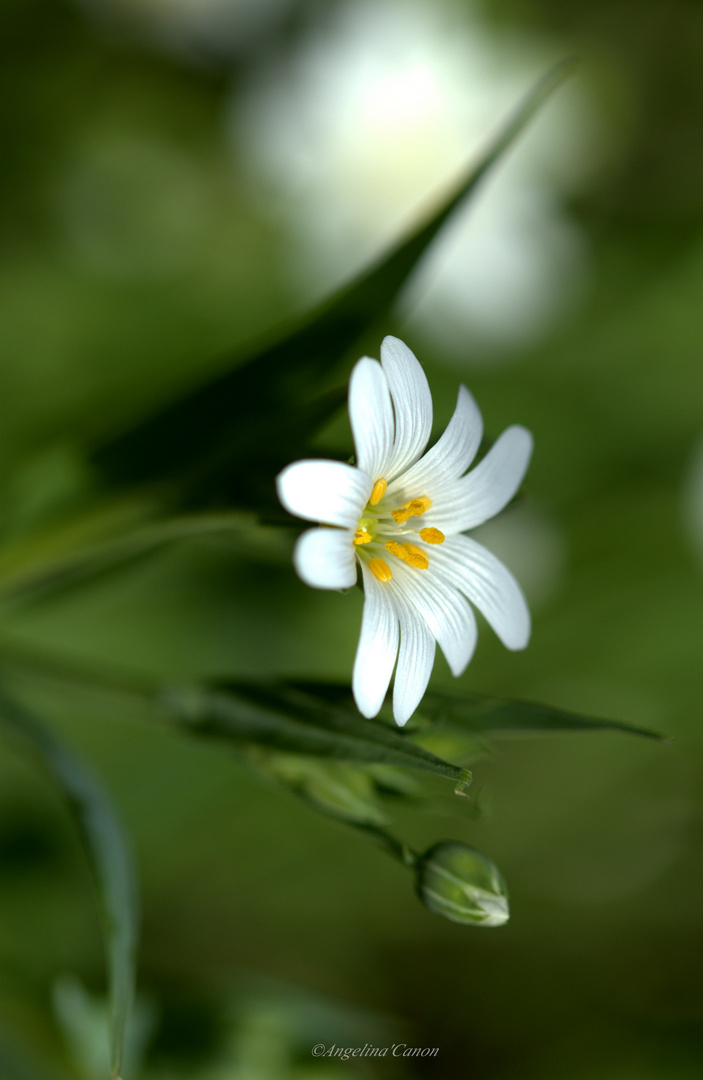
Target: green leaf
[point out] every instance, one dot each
(207, 443)
(481, 715)
(284, 717)
(487, 715)
(339, 789)
(108, 854)
(39, 577)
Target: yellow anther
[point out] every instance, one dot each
(432, 536)
(419, 506)
(361, 536)
(416, 557)
(380, 570)
(409, 553)
(379, 490)
(415, 508)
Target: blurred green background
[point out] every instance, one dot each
(180, 178)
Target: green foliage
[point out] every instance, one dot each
(108, 853)
(285, 717)
(220, 445)
(478, 714)
(220, 441)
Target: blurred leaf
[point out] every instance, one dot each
(85, 1021)
(335, 788)
(107, 851)
(485, 715)
(39, 576)
(395, 782)
(16, 1064)
(206, 443)
(283, 717)
(482, 715)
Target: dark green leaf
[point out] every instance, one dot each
(482, 715)
(107, 851)
(286, 718)
(485, 715)
(205, 444)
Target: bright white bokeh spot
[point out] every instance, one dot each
(530, 543)
(372, 113)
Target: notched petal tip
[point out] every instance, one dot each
(402, 714)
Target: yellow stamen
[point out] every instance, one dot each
(379, 490)
(409, 553)
(380, 570)
(419, 506)
(432, 536)
(416, 557)
(415, 508)
(361, 536)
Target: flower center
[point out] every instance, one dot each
(393, 530)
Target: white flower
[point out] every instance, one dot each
(379, 104)
(401, 516)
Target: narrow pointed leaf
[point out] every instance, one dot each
(483, 715)
(290, 720)
(107, 851)
(204, 442)
(486, 715)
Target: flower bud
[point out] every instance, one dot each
(463, 885)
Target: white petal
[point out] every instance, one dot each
(486, 489)
(446, 612)
(488, 584)
(412, 402)
(378, 646)
(326, 491)
(371, 417)
(415, 660)
(324, 558)
(450, 456)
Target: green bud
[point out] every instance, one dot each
(463, 885)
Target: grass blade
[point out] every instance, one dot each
(108, 853)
